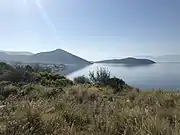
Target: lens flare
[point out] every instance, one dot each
(25, 2)
(45, 15)
(42, 10)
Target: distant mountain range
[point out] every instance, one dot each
(16, 53)
(163, 58)
(128, 61)
(58, 56)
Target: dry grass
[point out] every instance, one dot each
(87, 110)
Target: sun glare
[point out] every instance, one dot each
(38, 4)
(25, 2)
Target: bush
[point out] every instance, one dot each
(100, 77)
(103, 77)
(8, 90)
(31, 77)
(64, 82)
(29, 69)
(13, 76)
(57, 76)
(116, 83)
(50, 76)
(26, 90)
(81, 80)
(4, 67)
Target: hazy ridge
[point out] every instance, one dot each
(58, 56)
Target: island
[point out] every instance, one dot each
(128, 61)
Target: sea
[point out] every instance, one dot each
(162, 75)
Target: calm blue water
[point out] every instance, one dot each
(156, 76)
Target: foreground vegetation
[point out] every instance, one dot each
(41, 103)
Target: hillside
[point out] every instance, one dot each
(40, 103)
(54, 57)
(128, 61)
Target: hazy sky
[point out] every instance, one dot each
(92, 29)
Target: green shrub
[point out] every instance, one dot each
(29, 69)
(8, 90)
(26, 90)
(13, 76)
(116, 83)
(101, 76)
(31, 77)
(50, 76)
(4, 67)
(64, 82)
(81, 80)
(57, 76)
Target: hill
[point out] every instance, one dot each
(53, 57)
(128, 61)
(58, 56)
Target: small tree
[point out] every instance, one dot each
(81, 80)
(101, 76)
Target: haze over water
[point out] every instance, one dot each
(156, 76)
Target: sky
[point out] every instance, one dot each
(91, 29)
